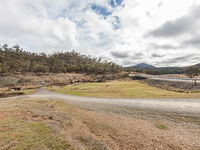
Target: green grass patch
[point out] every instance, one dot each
(28, 91)
(161, 126)
(117, 89)
(18, 134)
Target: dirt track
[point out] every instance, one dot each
(186, 107)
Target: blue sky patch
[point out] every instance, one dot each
(100, 10)
(116, 23)
(115, 3)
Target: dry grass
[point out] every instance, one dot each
(23, 134)
(41, 124)
(31, 124)
(120, 89)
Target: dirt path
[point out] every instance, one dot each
(189, 107)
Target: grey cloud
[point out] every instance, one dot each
(160, 4)
(131, 59)
(182, 25)
(137, 56)
(148, 14)
(193, 42)
(177, 59)
(134, 59)
(166, 46)
(127, 62)
(173, 28)
(118, 54)
(156, 56)
(180, 59)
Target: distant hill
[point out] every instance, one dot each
(197, 65)
(144, 66)
(149, 69)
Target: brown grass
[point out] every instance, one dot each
(40, 124)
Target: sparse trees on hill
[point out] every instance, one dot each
(16, 60)
(192, 72)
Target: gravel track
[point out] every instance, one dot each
(190, 107)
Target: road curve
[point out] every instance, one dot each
(189, 107)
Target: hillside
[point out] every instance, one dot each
(143, 65)
(15, 60)
(197, 65)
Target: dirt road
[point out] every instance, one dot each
(188, 107)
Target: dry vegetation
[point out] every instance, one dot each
(40, 124)
(8, 91)
(29, 82)
(59, 79)
(37, 79)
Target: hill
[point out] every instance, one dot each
(149, 69)
(197, 65)
(144, 65)
(15, 60)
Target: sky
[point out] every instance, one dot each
(128, 32)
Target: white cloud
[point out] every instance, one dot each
(47, 26)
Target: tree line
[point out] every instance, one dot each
(15, 60)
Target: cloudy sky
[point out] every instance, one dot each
(158, 32)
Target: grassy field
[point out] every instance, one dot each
(119, 89)
(22, 134)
